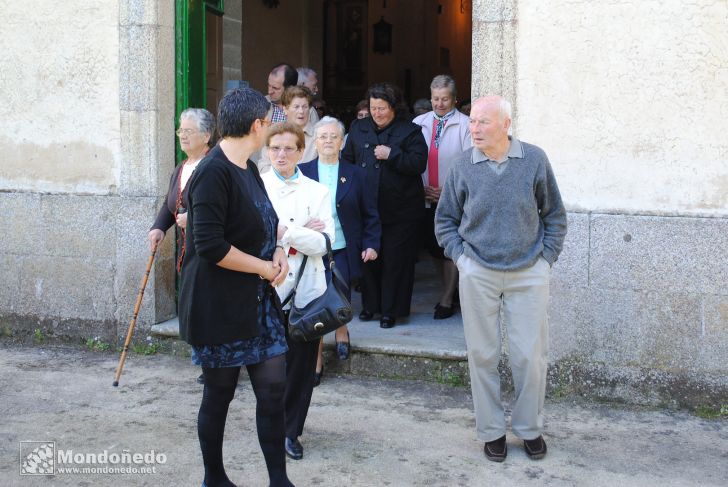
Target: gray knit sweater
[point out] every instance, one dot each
(507, 220)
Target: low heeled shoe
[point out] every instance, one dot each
(443, 312)
(294, 449)
(343, 348)
(366, 315)
(387, 322)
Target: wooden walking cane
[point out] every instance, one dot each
(138, 304)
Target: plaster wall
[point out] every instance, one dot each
(630, 101)
(60, 88)
(88, 151)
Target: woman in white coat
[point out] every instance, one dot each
(304, 211)
(447, 132)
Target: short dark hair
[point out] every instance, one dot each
(384, 91)
(290, 75)
(237, 111)
(362, 105)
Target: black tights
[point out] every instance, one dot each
(268, 379)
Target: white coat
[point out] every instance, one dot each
(296, 202)
(454, 140)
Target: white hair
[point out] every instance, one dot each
(304, 75)
(327, 120)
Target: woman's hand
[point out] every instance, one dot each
(280, 262)
(381, 152)
(154, 236)
(369, 254)
(281, 231)
(182, 220)
(315, 224)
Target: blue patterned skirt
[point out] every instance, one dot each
(269, 344)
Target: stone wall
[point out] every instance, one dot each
(89, 149)
(628, 99)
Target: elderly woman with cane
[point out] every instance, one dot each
(196, 136)
(304, 207)
(228, 309)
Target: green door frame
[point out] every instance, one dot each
(190, 58)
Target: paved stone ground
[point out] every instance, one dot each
(360, 432)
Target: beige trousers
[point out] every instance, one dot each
(523, 295)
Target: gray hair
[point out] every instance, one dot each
(328, 121)
(204, 119)
(305, 74)
(444, 81)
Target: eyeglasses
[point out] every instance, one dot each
(329, 137)
(286, 150)
(188, 132)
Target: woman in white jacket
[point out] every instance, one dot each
(304, 211)
(447, 133)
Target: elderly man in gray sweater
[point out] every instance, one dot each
(501, 219)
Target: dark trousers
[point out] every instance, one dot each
(386, 284)
(300, 369)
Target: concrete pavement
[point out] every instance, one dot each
(360, 431)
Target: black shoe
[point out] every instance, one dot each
(536, 448)
(387, 322)
(294, 449)
(366, 315)
(443, 312)
(343, 348)
(496, 450)
(201, 379)
(317, 376)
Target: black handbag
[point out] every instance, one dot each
(325, 313)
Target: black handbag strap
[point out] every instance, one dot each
(330, 255)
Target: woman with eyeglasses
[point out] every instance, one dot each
(356, 220)
(296, 101)
(304, 208)
(228, 309)
(196, 136)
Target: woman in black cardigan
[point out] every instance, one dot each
(227, 307)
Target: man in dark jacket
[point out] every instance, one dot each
(393, 153)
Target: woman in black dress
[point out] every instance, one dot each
(229, 312)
